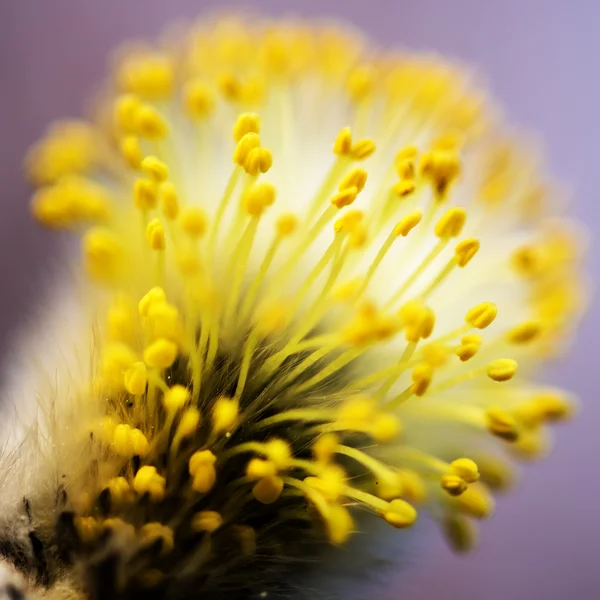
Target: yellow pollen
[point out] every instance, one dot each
(259, 160)
(103, 252)
(126, 108)
(202, 470)
(345, 198)
(400, 514)
(421, 379)
(362, 149)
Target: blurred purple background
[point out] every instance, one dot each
(542, 59)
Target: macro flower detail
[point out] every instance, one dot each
(318, 282)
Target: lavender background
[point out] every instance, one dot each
(542, 58)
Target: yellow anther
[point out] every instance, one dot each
(501, 423)
(349, 221)
(150, 533)
(199, 99)
(408, 223)
(155, 168)
(460, 532)
(132, 151)
(102, 253)
(169, 200)
(465, 251)
(230, 87)
(202, 470)
(330, 482)
(145, 194)
(150, 124)
(116, 359)
(414, 488)
(355, 178)
(400, 514)
(176, 398)
(451, 223)
(225, 414)
(246, 123)
(247, 143)
(325, 446)
(343, 142)
(406, 153)
(155, 235)
(345, 197)
(164, 322)
(278, 452)
(405, 168)
(421, 379)
(496, 472)
(404, 188)
(69, 147)
(126, 108)
(385, 428)
(120, 491)
(418, 320)
(552, 406)
(360, 82)
(258, 468)
(190, 419)
(156, 296)
(268, 489)
(362, 149)
(286, 224)
(469, 346)
(482, 315)
(476, 501)
(466, 468)
(258, 198)
(436, 354)
(259, 160)
(442, 168)
(502, 369)
(524, 333)
(88, 528)
(136, 378)
(207, 520)
(130, 442)
(357, 409)
(161, 354)
(339, 524)
(148, 74)
(194, 221)
(453, 484)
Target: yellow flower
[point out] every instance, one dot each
(347, 275)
